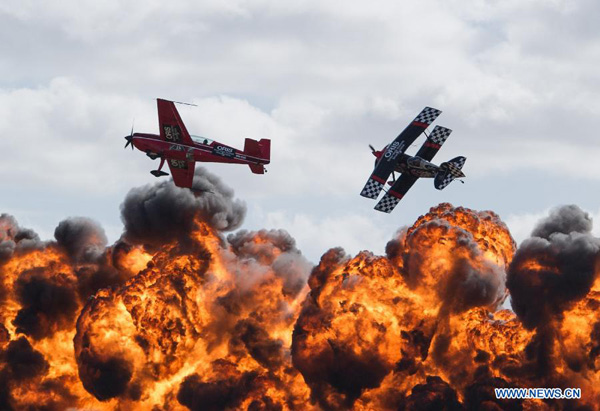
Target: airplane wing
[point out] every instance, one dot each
(391, 155)
(433, 143)
(395, 193)
(171, 126)
(182, 172)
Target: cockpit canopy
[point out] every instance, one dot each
(416, 162)
(201, 140)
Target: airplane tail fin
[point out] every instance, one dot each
(449, 171)
(261, 150)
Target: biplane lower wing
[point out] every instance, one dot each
(182, 172)
(393, 152)
(373, 187)
(395, 193)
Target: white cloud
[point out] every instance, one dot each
(521, 225)
(315, 235)
(64, 136)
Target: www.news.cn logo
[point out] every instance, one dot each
(538, 393)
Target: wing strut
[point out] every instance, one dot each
(159, 173)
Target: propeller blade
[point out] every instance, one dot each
(372, 149)
(129, 141)
(129, 138)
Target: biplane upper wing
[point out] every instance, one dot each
(395, 193)
(393, 151)
(171, 126)
(182, 172)
(433, 143)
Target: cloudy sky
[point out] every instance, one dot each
(517, 81)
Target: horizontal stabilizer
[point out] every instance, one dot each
(449, 171)
(257, 168)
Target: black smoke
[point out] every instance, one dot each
(566, 220)
(47, 303)
(217, 395)
(75, 266)
(249, 334)
(481, 395)
(23, 361)
(154, 215)
(14, 238)
(243, 245)
(276, 249)
(551, 271)
(104, 378)
(82, 238)
(160, 213)
(434, 395)
(553, 268)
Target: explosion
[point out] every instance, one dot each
(178, 315)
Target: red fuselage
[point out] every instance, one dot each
(203, 149)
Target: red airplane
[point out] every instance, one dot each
(181, 150)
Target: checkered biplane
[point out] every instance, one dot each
(392, 159)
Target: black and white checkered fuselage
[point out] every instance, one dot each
(416, 166)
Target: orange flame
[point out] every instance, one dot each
(209, 324)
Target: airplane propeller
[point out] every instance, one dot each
(129, 138)
(372, 149)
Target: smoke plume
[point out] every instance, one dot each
(157, 214)
(178, 315)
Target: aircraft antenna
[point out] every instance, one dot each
(187, 104)
(415, 144)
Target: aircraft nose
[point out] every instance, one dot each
(129, 141)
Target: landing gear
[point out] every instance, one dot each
(159, 173)
(152, 155)
(391, 183)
